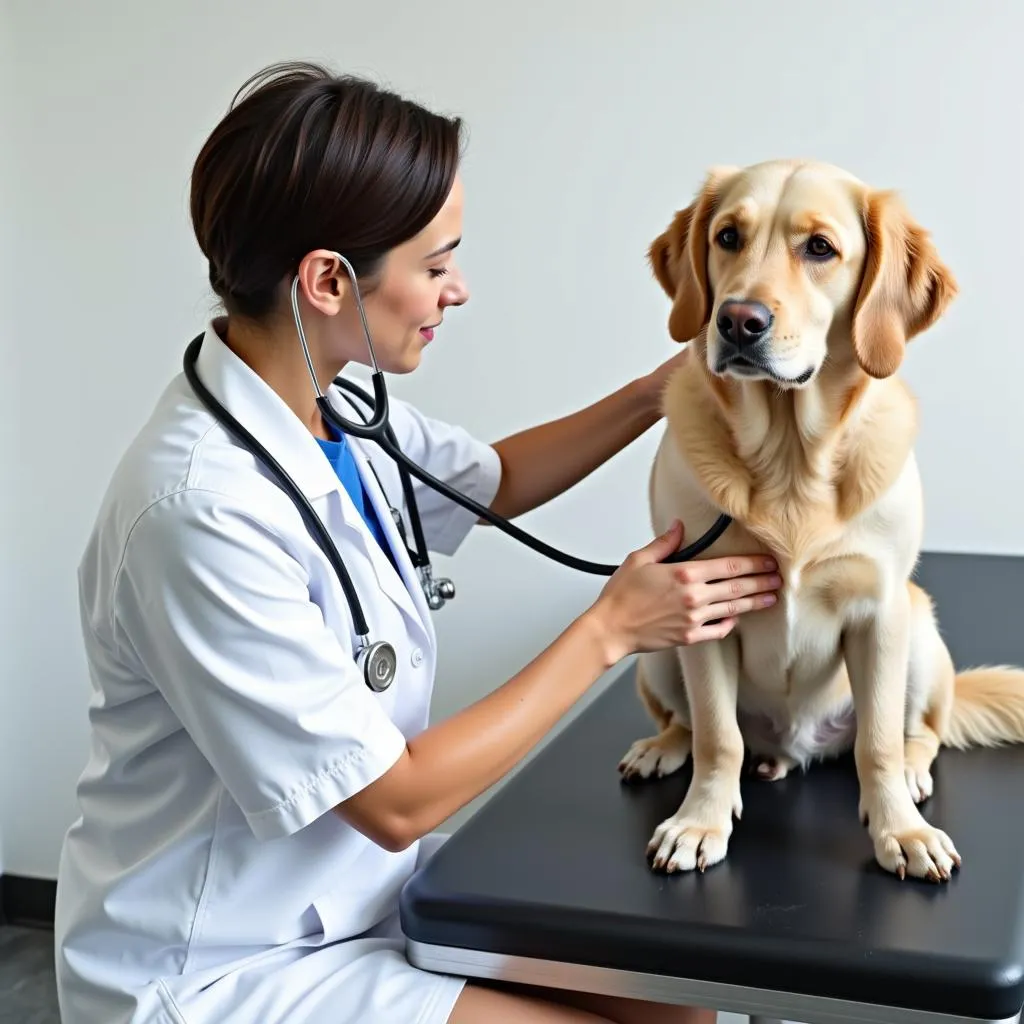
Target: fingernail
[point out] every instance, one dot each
(769, 564)
(768, 599)
(775, 580)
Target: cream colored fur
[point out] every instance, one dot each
(822, 475)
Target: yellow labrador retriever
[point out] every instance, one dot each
(799, 288)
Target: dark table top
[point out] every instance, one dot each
(553, 867)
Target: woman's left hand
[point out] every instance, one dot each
(658, 378)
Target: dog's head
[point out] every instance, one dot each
(786, 263)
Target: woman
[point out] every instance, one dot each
(251, 808)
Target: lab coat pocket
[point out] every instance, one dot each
(345, 912)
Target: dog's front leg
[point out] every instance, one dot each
(877, 654)
(697, 835)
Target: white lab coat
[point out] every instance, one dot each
(207, 881)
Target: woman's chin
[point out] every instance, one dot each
(408, 360)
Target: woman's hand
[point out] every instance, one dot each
(655, 382)
(648, 605)
(644, 606)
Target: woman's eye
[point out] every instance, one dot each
(438, 271)
(820, 248)
(728, 238)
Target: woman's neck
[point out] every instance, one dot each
(275, 354)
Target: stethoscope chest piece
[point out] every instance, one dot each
(379, 664)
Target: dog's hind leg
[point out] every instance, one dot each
(930, 684)
(773, 769)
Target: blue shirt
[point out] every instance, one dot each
(340, 457)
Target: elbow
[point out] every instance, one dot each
(395, 836)
(388, 812)
(392, 832)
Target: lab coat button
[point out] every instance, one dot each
(417, 657)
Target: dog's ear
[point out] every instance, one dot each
(679, 260)
(905, 287)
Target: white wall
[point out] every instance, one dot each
(586, 134)
(9, 456)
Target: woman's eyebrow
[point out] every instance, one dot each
(447, 247)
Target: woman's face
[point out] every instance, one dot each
(418, 281)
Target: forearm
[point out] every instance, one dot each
(542, 462)
(451, 763)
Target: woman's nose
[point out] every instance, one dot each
(455, 291)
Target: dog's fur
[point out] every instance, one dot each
(820, 473)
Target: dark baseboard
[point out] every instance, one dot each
(27, 901)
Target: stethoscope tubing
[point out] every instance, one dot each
(376, 429)
(581, 564)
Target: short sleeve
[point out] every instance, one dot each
(218, 612)
(453, 455)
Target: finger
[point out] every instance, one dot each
(733, 608)
(739, 586)
(661, 547)
(709, 631)
(707, 569)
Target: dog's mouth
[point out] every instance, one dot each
(754, 365)
(744, 366)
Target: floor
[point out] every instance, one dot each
(27, 993)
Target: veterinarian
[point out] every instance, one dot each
(253, 803)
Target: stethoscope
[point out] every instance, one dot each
(378, 660)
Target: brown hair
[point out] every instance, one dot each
(306, 159)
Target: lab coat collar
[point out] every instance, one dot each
(259, 408)
(266, 416)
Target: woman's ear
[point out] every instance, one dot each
(679, 258)
(905, 287)
(323, 281)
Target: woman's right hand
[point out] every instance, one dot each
(648, 605)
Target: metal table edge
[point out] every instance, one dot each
(676, 990)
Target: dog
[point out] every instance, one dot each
(797, 288)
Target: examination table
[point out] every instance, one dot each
(548, 883)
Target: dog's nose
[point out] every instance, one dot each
(744, 323)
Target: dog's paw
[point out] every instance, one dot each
(919, 782)
(905, 844)
(773, 769)
(694, 839)
(656, 755)
(917, 769)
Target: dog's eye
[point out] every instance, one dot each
(819, 248)
(728, 238)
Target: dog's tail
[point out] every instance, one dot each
(988, 708)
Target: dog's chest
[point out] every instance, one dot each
(796, 643)
(793, 693)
